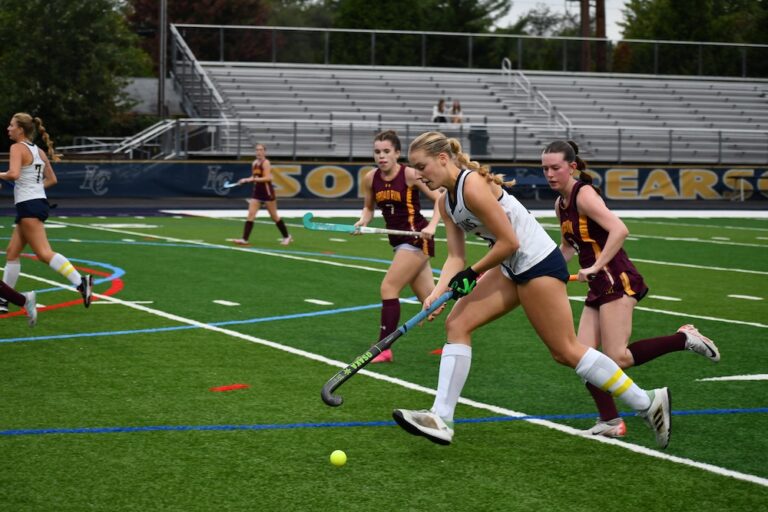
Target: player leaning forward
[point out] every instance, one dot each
(524, 267)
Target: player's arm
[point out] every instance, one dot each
(366, 215)
(480, 199)
(435, 195)
(454, 262)
(589, 203)
(14, 164)
(49, 177)
(566, 249)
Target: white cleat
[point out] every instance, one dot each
(424, 423)
(30, 305)
(697, 342)
(287, 240)
(611, 428)
(659, 415)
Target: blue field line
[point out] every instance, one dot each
(346, 424)
(184, 327)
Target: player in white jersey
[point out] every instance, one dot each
(522, 267)
(30, 169)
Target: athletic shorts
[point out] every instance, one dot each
(33, 208)
(411, 243)
(553, 265)
(263, 193)
(602, 290)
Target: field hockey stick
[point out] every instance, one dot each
(348, 228)
(363, 359)
(227, 184)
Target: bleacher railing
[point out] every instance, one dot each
(349, 140)
(302, 45)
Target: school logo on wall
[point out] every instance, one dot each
(216, 179)
(96, 180)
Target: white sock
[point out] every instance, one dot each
(454, 369)
(11, 273)
(601, 371)
(62, 265)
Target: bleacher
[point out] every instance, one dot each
(333, 111)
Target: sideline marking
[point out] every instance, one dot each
(319, 302)
(736, 377)
(745, 297)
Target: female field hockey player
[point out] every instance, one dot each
(523, 267)
(394, 189)
(32, 173)
(589, 229)
(263, 194)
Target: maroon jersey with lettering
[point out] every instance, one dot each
(588, 238)
(262, 190)
(400, 206)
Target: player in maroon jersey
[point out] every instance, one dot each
(394, 188)
(594, 233)
(263, 194)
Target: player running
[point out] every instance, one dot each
(597, 235)
(394, 188)
(523, 267)
(32, 173)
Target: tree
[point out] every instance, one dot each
(734, 21)
(143, 17)
(67, 62)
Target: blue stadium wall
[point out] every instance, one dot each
(340, 180)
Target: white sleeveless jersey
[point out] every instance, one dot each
(535, 243)
(29, 185)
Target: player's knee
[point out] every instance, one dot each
(456, 327)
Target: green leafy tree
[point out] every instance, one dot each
(67, 62)
(730, 21)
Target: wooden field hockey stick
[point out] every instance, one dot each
(349, 228)
(363, 359)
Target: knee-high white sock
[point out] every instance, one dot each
(62, 265)
(454, 369)
(11, 273)
(601, 371)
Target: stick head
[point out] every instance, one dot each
(227, 184)
(329, 398)
(307, 220)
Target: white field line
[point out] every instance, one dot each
(416, 387)
(556, 227)
(761, 376)
(743, 228)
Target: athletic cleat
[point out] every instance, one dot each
(240, 241)
(425, 423)
(384, 357)
(697, 342)
(611, 428)
(3, 306)
(659, 416)
(287, 240)
(31, 306)
(86, 289)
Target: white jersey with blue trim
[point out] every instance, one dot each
(535, 243)
(29, 184)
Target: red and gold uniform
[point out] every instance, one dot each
(399, 204)
(262, 190)
(588, 238)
